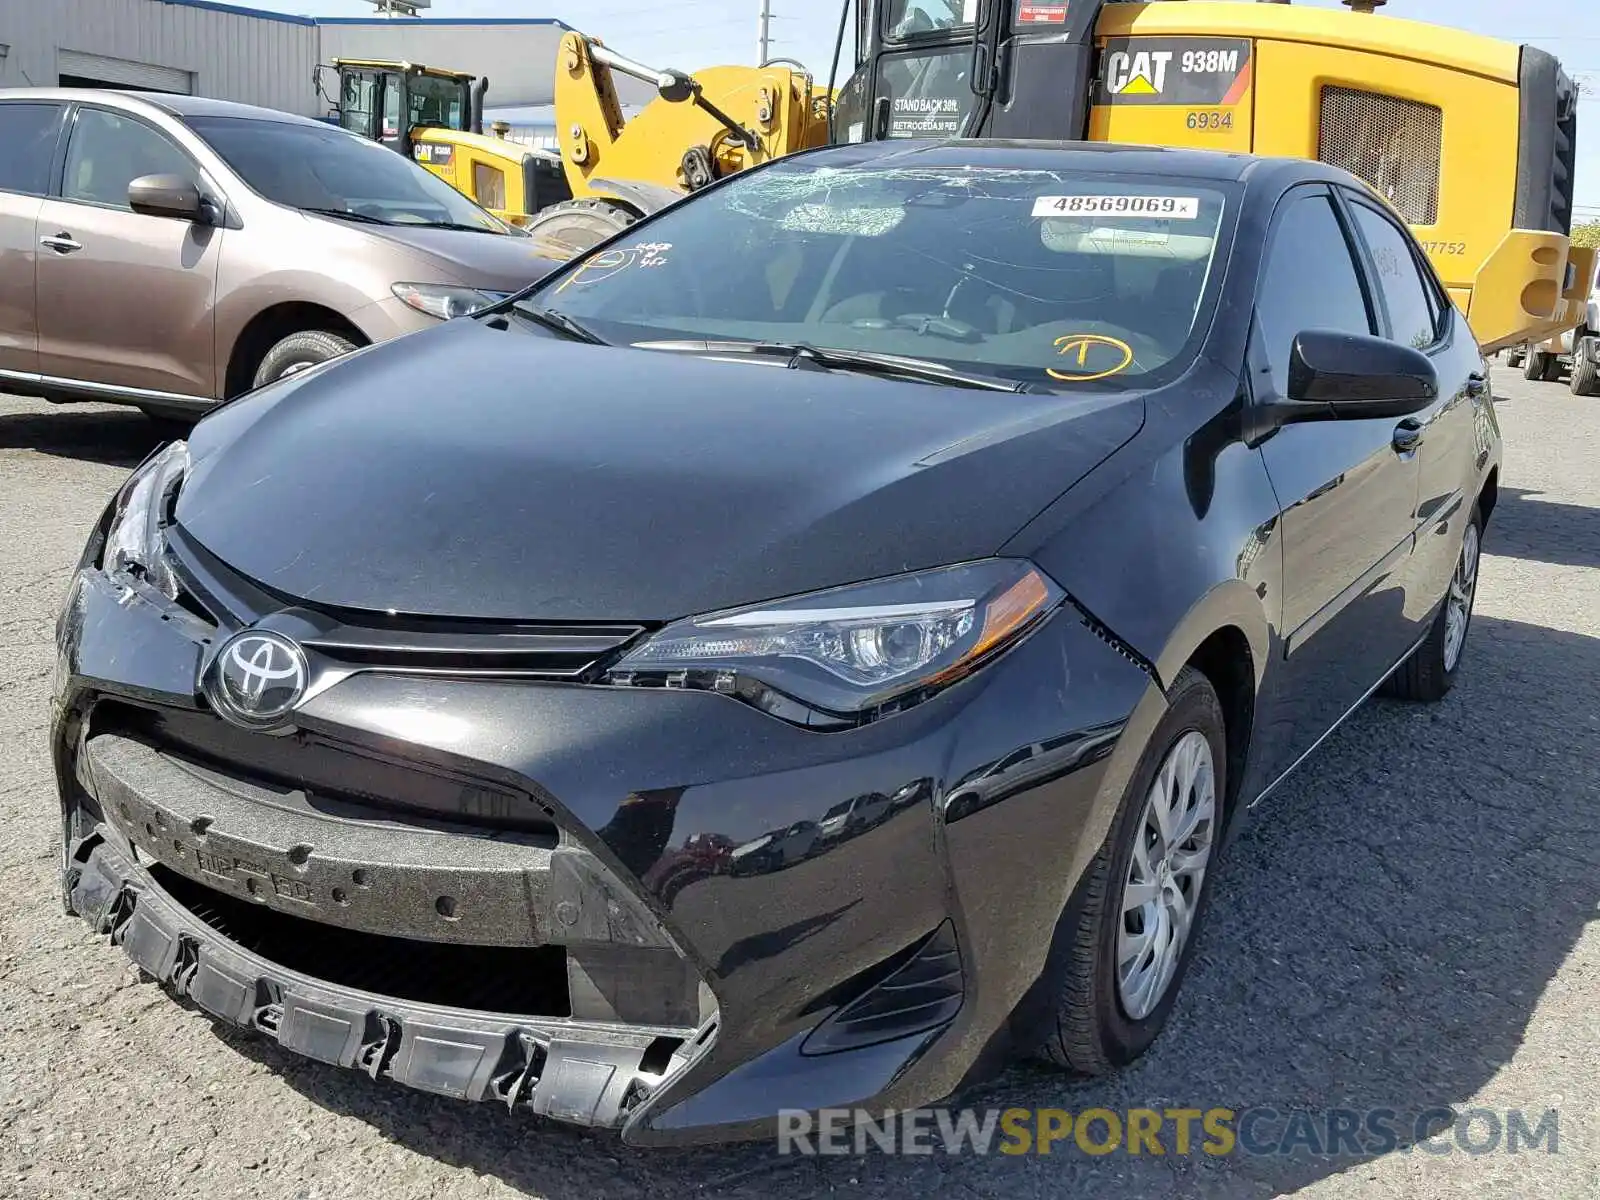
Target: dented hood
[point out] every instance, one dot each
(492, 473)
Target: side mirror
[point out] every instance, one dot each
(1353, 375)
(166, 196)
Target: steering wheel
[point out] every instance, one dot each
(923, 324)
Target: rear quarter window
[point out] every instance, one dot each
(28, 136)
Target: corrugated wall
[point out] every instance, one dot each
(229, 55)
(257, 59)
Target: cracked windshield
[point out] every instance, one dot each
(1037, 278)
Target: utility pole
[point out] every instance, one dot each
(765, 42)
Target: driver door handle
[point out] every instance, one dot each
(61, 243)
(1407, 436)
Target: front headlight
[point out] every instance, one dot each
(443, 301)
(135, 544)
(846, 654)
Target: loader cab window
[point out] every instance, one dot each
(438, 102)
(930, 92)
(907, 19)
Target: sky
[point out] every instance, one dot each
(699, 33)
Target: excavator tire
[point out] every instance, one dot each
(579, 225)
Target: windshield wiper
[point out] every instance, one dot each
(460, 226)
(550, 318)
(865, 362)
(345, 214)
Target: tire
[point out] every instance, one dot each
(299, 350)
(1515, 358)
(1585, 379)
(1096, 1030)
(1536, 366)
(579, 225)
(1432, 670)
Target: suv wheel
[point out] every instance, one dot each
(1145, 893)
(299, 351)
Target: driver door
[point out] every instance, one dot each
(125, 301)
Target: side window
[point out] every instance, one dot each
(28, 133)
(1310, 282)
(107, 152)
(1404, 293)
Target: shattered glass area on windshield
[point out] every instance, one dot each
(1009, 271)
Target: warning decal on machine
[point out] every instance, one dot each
(1041, 14)
(1188, 71)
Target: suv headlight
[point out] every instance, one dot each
(844, 655)
(444, 301)
(135, 542)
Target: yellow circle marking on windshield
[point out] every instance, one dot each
(1079, 345)
(602, 266)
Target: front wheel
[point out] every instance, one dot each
(1585, 374)
(299, 351)
(579, 225)
(1431, 671)
(1145, 893)
(1538, 366)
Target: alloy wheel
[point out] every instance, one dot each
(1458, 605)
(1161, 895)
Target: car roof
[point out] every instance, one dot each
(1015, 154)
(175, 105)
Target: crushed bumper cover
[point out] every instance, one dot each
(586, 1074)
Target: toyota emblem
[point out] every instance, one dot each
(258, 678)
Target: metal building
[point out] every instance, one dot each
(235, 53)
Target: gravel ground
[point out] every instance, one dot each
(1409, 923)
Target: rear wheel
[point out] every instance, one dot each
(1538, 366)
(1145, 893)
(580, 225)
(1431, 671)
(1516, 356)
(1585, 375)
(299, 351)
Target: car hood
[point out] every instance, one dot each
(476, 472)
(496, 263)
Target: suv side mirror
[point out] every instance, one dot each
(1353, 375)
(166, 196)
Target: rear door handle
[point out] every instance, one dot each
(1407, 435)
(61, 243)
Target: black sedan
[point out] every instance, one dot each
(810, 648)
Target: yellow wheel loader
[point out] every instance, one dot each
(1472, 140)
(611, 170)
(701, 128)
(435, 116)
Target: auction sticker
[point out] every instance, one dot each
(1165, 208)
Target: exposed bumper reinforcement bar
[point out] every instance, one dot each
(583, 1073)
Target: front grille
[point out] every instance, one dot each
(524, 981)
(397, 642)
(1395, 145)
(324, 769)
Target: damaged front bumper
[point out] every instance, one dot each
(582, 1073)
(659, 912)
